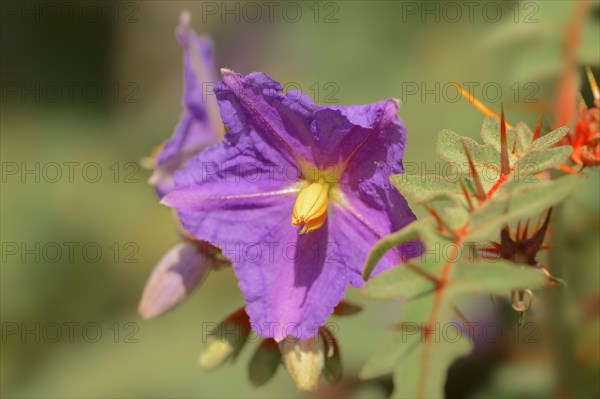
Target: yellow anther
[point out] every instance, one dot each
(310, 209)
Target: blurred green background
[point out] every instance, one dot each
(92, 87)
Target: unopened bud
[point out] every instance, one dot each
(304, 360)
(226, 342)
(215, 353)
(176, 275)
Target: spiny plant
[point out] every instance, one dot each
(470, 249)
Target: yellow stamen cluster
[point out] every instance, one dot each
(310, 209)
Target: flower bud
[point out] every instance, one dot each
(226, 341)
(178, 272)
(304, 360)
(215, 353)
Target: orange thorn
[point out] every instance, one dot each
(525, 230)
(537, 223)
(476, 103)
(467, 197)
(441, 223)
(568, 169)
(435, 215)
(505, 165)
(538, 129)
(480, 192)
(547, 247)
(581, 101)
(537, 240)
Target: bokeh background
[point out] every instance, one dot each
(92, 87)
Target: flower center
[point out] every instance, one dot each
(310, 209)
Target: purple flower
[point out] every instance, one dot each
(200, 125)
(296, 195)
(184, 266)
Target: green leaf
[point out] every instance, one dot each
(408, 281)
(455, 217)
(423, 188)
(549, 139)
(416, 378)
(419, 229)
(388, 355)
(450, 146)
(404, 281)
(486, 159)
(495, 276)
(422, 361)
(524, 138)
(529, 158)
(513, 203)
(526, 158)
(537, 161)
(490, 133)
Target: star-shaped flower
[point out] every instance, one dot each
(296, 195)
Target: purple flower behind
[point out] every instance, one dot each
(200, 125)
(288, 161)
(184, 267)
